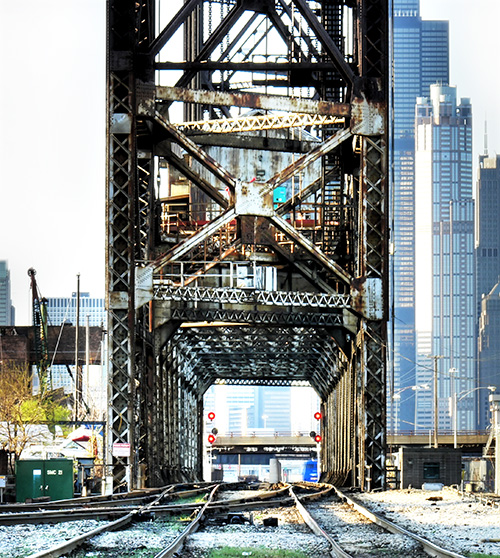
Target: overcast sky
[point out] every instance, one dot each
(52, 131)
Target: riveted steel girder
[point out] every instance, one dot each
(290, 205)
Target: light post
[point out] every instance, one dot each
(453, 372)
(436, 415)
(463, 394)
(264, 418)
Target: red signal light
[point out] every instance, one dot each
(318, 416)
(317, 438)
(211, 415)
(211, 438)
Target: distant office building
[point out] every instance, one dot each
(444, 256)
(421, 58)
(7, 311)
(245, 409)
(62, 311)
(489, 354)
(487, 277)
(487, 224)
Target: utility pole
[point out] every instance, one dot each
(78, 378)
(436, 410)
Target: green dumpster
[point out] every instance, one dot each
(40, 478)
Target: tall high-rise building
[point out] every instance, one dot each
(62, 311)
(487, 224)
(421, 58)
(487, 277)
(444, 257)
(489, 354)
(7, 312)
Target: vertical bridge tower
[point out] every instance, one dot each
(246, 222)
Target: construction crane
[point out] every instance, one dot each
(40, 329)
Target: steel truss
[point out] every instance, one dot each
(258, 123)
(251, 296)
(314, 302)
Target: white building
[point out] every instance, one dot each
(62, 311)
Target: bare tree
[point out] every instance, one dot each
(22, 413)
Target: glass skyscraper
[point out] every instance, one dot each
(444, 257)
(62, 311)
(421, 58)
(6, 308)
(487, 277)
(488, 224)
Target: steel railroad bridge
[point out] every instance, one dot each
(247, 226)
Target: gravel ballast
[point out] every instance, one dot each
(457, 523)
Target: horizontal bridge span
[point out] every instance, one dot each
(255, 317)
(264, 441)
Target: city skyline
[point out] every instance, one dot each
(53, 194)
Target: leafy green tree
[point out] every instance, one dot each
(22, 413)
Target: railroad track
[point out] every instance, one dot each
(372, 537)
(332, 515)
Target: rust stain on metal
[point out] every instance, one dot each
(251, 100)
(199, 154)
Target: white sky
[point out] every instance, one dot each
(52, 146)
(52, 131)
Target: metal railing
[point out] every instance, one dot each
(443, 432)
(263, 433)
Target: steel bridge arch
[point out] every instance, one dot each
(227, 280)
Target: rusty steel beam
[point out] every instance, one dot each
(193, 241)
(247, 141)
(299, 197)
(253, 100)
(199, 154)
(194, 177)
(173, 25)
(315, 252)
(298, 27)
(329, 45)
(215, 39)
(216, 261)
(304, 161)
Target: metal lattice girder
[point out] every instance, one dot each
(252, 296)
(258, 123)
(374, 64)
(256, 317)
(374, 405)
(262, 354)
(120, 237)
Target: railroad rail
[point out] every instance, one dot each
(428, 547)
(303, 497)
